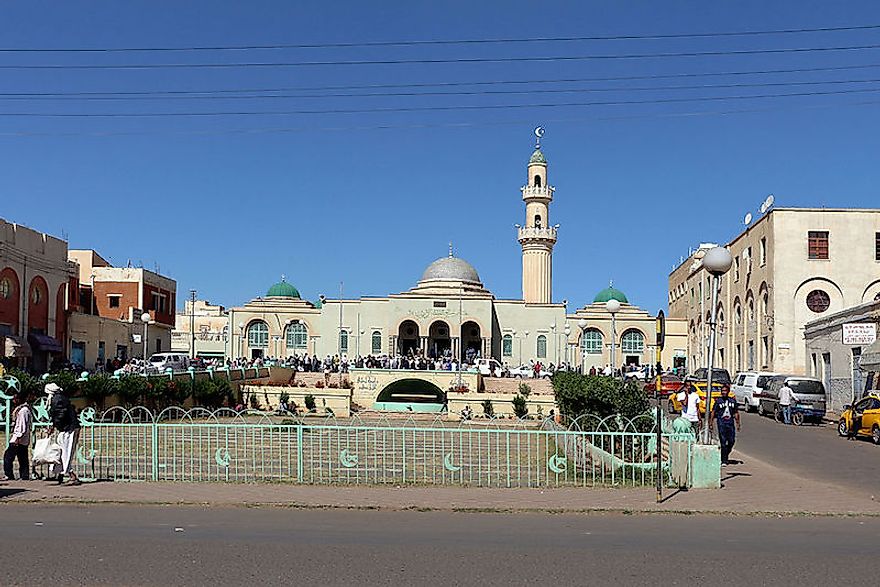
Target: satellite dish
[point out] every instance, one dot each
(763, 207)
(748, 219)
(769, 201)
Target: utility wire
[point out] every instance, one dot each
(428, 42)
(67, 98)
(425, 108)
(446, 84)
(431, 61)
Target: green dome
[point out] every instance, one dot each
(537, 158)
(282, 289)
(610, 293)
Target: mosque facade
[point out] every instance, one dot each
(449, 311)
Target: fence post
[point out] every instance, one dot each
(299, 453)
(154, 437)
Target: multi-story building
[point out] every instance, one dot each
(37, 286)
(108, 322)
(791, 266)
(210, 325)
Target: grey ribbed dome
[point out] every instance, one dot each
(451, 269)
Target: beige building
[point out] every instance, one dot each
(210, 324)
(449, 311)
(792, 266)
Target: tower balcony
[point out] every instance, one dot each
(527, 233)
(537, 193)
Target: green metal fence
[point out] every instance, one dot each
(369, 448)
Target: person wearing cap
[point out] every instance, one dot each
(20, 439)
(66, 422)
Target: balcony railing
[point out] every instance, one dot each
(548, 233)
(537, 192)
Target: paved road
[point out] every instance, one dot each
(812, 451)
(128, 545)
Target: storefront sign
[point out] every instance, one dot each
(860, 333)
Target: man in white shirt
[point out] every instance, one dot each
(690, 408)
(785, 400)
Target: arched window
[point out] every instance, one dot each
(297, 337)
(537, 221)
(765, 305)
(376, 342)
(258, 335)
(751, 310)
(591, 342)
(542, 346)
(738, 314)
(507, 345)
(343, 342)
(537, 181)
(632, 342)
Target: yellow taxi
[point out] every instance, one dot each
(867, 410)
(720, 381)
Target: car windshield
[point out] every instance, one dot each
(718, 375)
(763, 381)
(157, 359)
(806, 386)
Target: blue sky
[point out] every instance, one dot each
(226, 204)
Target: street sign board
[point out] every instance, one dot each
(863, 333)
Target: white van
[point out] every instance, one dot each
(175, 361)
(748, 387)
(489, 367)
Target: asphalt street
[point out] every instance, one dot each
(151, 545)
(811, 451)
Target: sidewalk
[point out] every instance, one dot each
(752, 487)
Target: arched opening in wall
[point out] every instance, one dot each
(258, 338)
(416, 395)
(297, 338)
(471, 342)
(376, 343)
(537, 181)
(632, 344)
(439, 340)
(537, 221)
(408, 338)
(10, 302)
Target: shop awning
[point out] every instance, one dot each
(870, 359)
(15, 347)
(42, 342)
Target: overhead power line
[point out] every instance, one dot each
(482, 83)
(424, 108)
(433, 61)
(429, 42)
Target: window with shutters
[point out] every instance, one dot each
(817, 244)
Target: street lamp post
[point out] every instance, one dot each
(613, 306)
(567, 331)
(555, 343)
(717, 261)
(513, 334)
(524, 336)
(145, 318)
(192, 322)
(241, 340)
(582, 324)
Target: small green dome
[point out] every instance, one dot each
(610, 293)
(537, 158)
(282, 289)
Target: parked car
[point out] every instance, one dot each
(528, 372)
(869, 409)
(641, 373)
(748, 387)
(669, 384)
(488, 367)
(720, 381)
(175, 361)
(808, 398)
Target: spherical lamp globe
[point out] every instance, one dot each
(717, 261)
(146, 317)
(613, 306)
(582, 323)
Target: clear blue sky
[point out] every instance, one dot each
(371, 198)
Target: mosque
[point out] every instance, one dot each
(451, 311)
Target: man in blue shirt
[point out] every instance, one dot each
(727, 419)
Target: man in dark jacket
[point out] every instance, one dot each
(66, 422)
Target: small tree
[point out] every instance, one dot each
(97, 388)
(520, 409)
(525, 389)
(310, 402)
(284, 397)
(488, 410)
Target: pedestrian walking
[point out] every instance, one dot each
(785, 399)
(20, 439)
(66, 422)
(727, 419)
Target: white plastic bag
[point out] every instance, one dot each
(47, 451)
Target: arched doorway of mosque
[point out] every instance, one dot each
(471, 341)
(439, 341)
(408, 338)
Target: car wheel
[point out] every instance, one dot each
(797, 418)
(875, 434)
(841, 428)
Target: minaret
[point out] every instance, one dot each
(537, 236)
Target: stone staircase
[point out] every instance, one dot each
(510, 385)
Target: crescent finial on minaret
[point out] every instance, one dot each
(539, 132)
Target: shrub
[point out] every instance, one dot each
(488, 410)
(525, 389)
(131, 389)
(175, 392)
(310, 402)
(578, 394)
(255, 403)
(97, 389)
(67, 381)
(284, 397)
(30, 384)
(520, 409)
